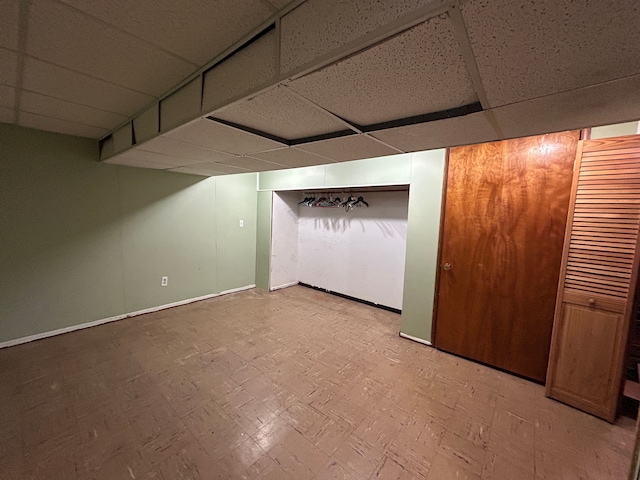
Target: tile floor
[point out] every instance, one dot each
(294, 384)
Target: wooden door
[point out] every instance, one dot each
(598, 278)
(504, 221)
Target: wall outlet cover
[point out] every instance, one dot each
(164, 282)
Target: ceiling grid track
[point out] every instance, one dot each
(460, 29)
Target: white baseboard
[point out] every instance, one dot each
(416, 339)
(291, 284)
(95, 323)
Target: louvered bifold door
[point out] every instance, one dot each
(598, 277)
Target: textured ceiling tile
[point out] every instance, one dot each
(177, 148)
(419, 71)
(319, 26)
(293, 157)
(279, 112)
(7, 96)
(49, 124)
(197, 30)
(473, 128)
(534, 48)
(69, 38)
(247, 69)
(158, 158)
(56, 108)
(204, 170)
(75, 87)
(280, 4)
(127, 160)
(218, 168)
(9, 23)
(8, 66)
(147, 124)
(6, 115)
(182, 105)
(613, 102)
(353, 147)
(253, 164)
(210, 134)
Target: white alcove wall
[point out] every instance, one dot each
(360, 253)
(284, 240)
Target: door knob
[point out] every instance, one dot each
(447, 266)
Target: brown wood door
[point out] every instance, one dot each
(504, 221)
(598, 277)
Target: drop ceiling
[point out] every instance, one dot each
(232, 86)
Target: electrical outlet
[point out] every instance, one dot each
(242, 223)
(164, 282)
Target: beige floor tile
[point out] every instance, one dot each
(284, 385)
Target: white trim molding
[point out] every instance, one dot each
(286, 285)
(102, 321)
(416, 339)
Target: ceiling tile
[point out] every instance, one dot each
(419, 71)
(473, 128)
(127, 160)
(253, 164)
(280, 4)
(72, 39)
(147, 124)
(6, 115)
(75, 87)
(353, 147)
(252, 67)
(177, 148)
(605, 104)
(293, 157)
(7, 96)
(205, 169)
(216, 167)
(9, 23)
(529, 49)
(197, 30)
(281, 113)
(192, 171)
(8, 67)
(210, 134)
(40, 122)
(319, 26)
(182, 105)
(159, 158)
(64, 110)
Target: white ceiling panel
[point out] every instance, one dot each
(534, 48)
(127, 160)
(196, 30)
(8, 67)
(49, 124)
(7, 96)
(216, 167)
(182, 105)
(9, 23)
(353, 147)
(419, 71)
(279, 4)
(75, 87)
(473, 128)
(209, 134)
(281, 113)
(147, 124)
(6, 115)
(293, 157)
(159, 158)
(319, 26)
(252, 67)
(177, 148)
(72, 39)
(608, 103)
(253, 164)
(56, 108)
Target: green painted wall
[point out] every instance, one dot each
(82, 241)
(263, 239)
(423, 172)
(423, 229)
(617, 130)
